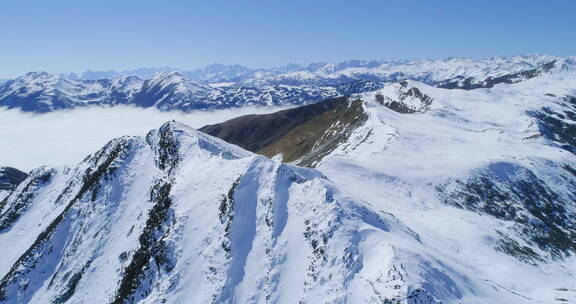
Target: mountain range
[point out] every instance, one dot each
(221, 86)
(412, 192)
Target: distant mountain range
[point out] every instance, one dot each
(225, 86)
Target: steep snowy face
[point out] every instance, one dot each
(180, 216)
(557, 120)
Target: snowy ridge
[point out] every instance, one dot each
(181, 216)
(401, 97)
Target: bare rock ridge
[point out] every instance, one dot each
(304, 135)
(301, 135)
(10, 178)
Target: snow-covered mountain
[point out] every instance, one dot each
(221, 86)
(179, 216)
(42, 92)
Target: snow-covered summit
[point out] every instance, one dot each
(401, 97)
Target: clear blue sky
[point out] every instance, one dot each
(72, 36)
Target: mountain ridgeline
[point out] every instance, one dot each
(219, 86)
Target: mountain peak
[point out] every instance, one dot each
(171, 74)
(183, 141)
(40, 76)
(36, 74)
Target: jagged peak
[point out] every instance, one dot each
(37, 74)
(167, 76)
(179, 79)
(404, 97)
(187, 141)
(40, 76)
(173, 74)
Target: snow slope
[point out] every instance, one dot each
(480, 177)
(179, 216)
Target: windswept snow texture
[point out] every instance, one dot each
(219, 86)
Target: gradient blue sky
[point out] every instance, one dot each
(72, 36)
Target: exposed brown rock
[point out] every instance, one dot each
(302, 135)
